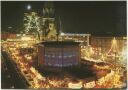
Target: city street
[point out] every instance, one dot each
(63, 45)
(12, 75)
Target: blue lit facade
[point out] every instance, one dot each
(60, 54)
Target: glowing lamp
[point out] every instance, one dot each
(28, 7)
(26, 38)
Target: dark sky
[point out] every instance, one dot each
(95, 17)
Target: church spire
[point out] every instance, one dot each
(48, 10)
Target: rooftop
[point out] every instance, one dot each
(60, 43)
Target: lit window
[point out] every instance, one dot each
(53, 56)
(65, 56)
(70, 56)
(60, 56)
(48, 56)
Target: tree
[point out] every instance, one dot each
(32, 24)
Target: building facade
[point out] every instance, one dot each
(58, 54)
(84, 39)
(105, 43)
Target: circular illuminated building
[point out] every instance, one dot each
(58, 53)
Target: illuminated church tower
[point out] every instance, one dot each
(48, 21)
(52, 52)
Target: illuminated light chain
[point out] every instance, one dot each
(75, 86)
(87, 52)
(110, 80)
(90, 84)
(32, 22)
(114, 47)
(104, 67)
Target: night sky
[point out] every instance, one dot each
(95, 17)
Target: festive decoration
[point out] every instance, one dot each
(32, 24)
